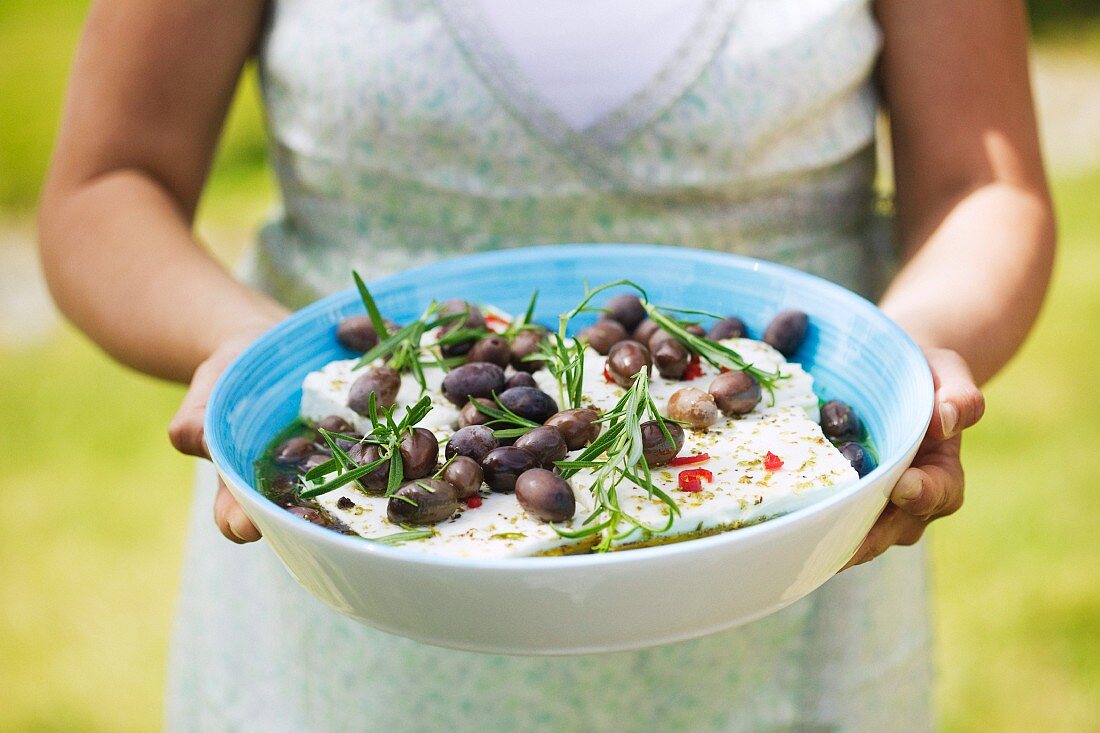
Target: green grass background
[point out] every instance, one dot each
(93, 500)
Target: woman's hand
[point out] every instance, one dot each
(186, 433)
(932, 487)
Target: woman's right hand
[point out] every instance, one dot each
(186, 433)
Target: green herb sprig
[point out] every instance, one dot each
(501, 415)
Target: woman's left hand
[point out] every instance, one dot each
(932, 487)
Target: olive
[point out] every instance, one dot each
(283, 490)
(735, 393)
(382, 381)
(626, 309)
(625, 360)
(658, 337)
(492, 349)
(787, 331)
(547, 444)
(655, 446)
(645, 329)
(503, 466)
(671, 359)
(419, 452)
(526, 343)
(604, 334)
(727, 328)
(578, 426)
(479, 379)
(472, 441)
(309, 514)
(357, 334)
(474, 319)
(465, 475)
(839, 421)
(529, 402)
(858, 456)
(315, 460)
(545, 495)
(694, 407)
(695, 329)
(520, 379)
(374, 482)
(470, 415)
(293, 451)
(422, 502)
(335, 424)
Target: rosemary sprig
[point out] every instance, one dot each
(617, 456)
(523, 322)
(503, 416)
(400, 538)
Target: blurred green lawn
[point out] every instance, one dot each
(94, 500)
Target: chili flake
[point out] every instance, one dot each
(686, 460)
(495, 320)
(607, 374)
(694, 368)
(473, 502)
(772, 462)
(692, 479)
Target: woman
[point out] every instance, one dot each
(403, 131)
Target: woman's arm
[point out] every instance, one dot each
(975, 221)
(147, 98)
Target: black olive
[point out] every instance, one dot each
(525, 344)
(357, 334)
(309, 514)
(373, 483)
(787, 331)
(655, 446)
(382, 381)
(645, 330)
(465, 475)
(474, 320)
(839, 421)
(472, 441)
(626, 309)
(578, 426)
(604, 334)
(625, 360)
(492, 349)
(283, 490)
(529, 402)
(293, 451)
(426, 501)
(858, 456)
(520, 379)
(545, 495)
(693, 406)
(503, 466)
(480, 379)
(470, 415)
(547, 444)
(727, 328)
(315, 460)
(735, 393)
(671, 359)
(335, 424)
(419, 453)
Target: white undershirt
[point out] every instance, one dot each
(588, 57)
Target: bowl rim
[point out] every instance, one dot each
(374, 550)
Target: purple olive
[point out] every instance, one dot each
(474, 320)
(293, 451)
(526, 343)
(727, 328)
(426, 501)
(382, 381)
(373, 483)
(309, 514)
(545, 495)
(520, 379)
(529, 402)
(625, 360)
(472, 441)
(656, 448)
(604, 334)
(859, 457)
(357, 334)
(419, 453)
(470, 415)
(671, 359)
(839, 421)
(465, 475)
(547, 444)
(578, 426)
(735, 393)
(491, 349)
(479, 379)
(694, 407)
(645, 330)
(335, 424)
(626, 309)
(504, 465)
(787, 331)
(314, 461)
(283, 490)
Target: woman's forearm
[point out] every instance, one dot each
(978, 276)
(122, 264)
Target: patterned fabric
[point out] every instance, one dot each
(402, 133)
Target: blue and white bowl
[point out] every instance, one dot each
(586, 603)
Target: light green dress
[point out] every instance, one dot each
(401, 132)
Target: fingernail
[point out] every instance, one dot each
(235, 533)
(949, 418)
(908, 489)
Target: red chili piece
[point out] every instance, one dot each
(607, 374)
(686, 460)
(692, 479)
(772, 462)
(473, 502)
(491, 319)
(694, 368)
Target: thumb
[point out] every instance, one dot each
(959, 402)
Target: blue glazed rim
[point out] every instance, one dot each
(216, 431)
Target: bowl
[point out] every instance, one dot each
(587, 603)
